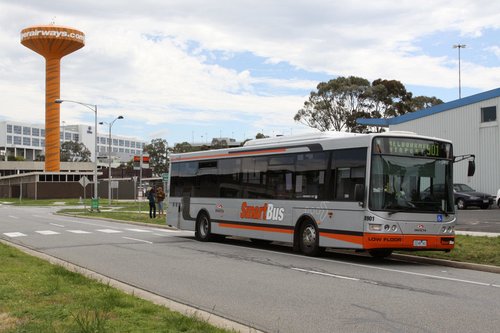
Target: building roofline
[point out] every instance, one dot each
(385, 122)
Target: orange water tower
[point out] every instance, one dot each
(52, 42)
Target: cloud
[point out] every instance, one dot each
(166, 62)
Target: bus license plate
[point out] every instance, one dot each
(420, 243)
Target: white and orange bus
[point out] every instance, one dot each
(368, 192)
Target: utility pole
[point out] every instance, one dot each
(459, 46)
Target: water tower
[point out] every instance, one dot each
(52, 42)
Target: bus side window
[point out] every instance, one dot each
(310, 171)
(229, 178)
(349, 169)
(187, 171)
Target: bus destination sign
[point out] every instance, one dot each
(411, 147)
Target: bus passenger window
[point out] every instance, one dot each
(348, 170)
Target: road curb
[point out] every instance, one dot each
(172, 305)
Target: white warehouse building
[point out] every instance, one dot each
(471, 124)
(28, 141)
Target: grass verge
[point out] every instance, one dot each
(36, 296)
(133, 216)
(472, 249)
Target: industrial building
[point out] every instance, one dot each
(470, 123)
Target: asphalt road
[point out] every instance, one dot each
(483, 220)
(269, 288)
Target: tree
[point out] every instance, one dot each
(183, 147)
(389, 98)
(72, 151)
(339, 102)
(15, 158)
(219, 143)
(157, 151)
(336, 105)
(424, 102)
(261, 136)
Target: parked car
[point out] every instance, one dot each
(465, 196)
(497, 200)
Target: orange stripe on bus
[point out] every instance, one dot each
(243, 153)
(252, 227)
(345, 238)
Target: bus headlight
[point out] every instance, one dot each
(387, 227)
(394, 228)
(375, 227)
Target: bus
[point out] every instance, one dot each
(375, 192)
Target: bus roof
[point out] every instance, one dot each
(294, 144)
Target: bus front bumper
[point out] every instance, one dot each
(418, 242)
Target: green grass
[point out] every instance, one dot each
(36, 296)
(122, 204)
(472, 249)
(121, 214)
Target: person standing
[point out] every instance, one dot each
(152, 205)
(160, 196)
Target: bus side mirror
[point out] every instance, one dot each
(471, 169)
(359, 192)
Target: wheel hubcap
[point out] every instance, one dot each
(309, 236)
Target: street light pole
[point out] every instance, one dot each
(459, 46)
(92, 107)
(109, 155)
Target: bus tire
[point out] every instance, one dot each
(380, 253)
(309, 239)
(202, 232)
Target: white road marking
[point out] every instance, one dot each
(138, 230)
(325, 274)
(79, 231)
(390, 270)
(13, 217)
(109, 231)
(47, 232)
(57, 225)
(138, 240)
(14, 234)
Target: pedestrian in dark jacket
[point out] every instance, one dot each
(152, 204)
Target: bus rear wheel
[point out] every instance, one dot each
(203, 232)
(380, 253)
(309, 239)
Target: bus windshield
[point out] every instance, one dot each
(404, 182)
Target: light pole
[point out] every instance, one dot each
(92, 107)
(459, 46)
(64, 131)
(110, 124)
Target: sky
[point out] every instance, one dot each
(193, 70)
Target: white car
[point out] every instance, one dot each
(498, 198)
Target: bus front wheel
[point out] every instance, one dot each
(380, 253)
(309, 239)
(202, 232)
